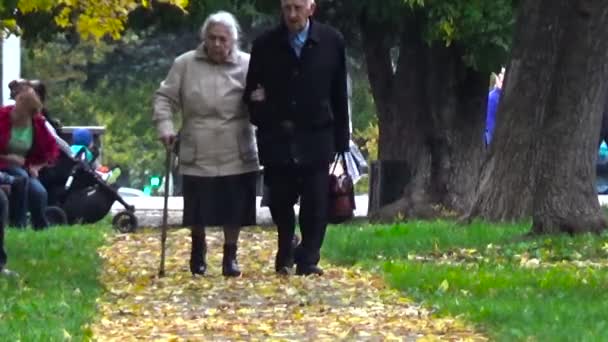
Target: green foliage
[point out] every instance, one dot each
(54, 296)
(125, 110)
(90, 19)
(59, 60)
(362, 102)
(514, 288)
(362, 185)
(364, 118)
(482, 29)
(368, 137)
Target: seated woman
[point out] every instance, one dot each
(26, 145)
(51, 124)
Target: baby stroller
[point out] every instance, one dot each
(77, 194)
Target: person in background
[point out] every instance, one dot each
(493, 100)
(51, 124)
(217, 152)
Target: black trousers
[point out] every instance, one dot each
(309, 183)
(3, 223)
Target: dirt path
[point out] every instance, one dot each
(344, 304)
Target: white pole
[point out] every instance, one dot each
(11, 64)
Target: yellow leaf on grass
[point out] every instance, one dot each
(66, 335)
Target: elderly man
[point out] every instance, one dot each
(296, 92)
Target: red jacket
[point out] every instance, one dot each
(44, 147)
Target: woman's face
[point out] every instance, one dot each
(16, 87)
(218, 43)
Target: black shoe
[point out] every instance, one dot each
(305, 270)
(284, 260)
(230, 267)
(198, 264)
(283, 271)
(198, 268)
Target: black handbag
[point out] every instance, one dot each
(341, 194)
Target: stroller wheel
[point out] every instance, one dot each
(125, 222)
(56, 216)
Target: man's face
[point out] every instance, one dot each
(218, 42)
(296, 13)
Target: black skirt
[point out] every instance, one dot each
(219, 201)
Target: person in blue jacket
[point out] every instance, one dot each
(493, 99)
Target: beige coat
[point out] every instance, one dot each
(216, 137)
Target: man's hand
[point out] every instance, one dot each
(168, 140)
(259, 94)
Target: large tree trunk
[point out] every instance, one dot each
(430, 109)
(542, 162)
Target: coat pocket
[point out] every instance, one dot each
(187, 150)
(247, 144)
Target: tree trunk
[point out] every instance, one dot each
(457, 100)
(430, 110)
(542, 162)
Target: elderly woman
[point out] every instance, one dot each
(25, 147)
(217, 150)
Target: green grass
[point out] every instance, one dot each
(55, 292)
(477, 272)
(351, 244)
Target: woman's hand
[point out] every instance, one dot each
(34, 170)
(168, 140)
(27, 101)
(14, 159)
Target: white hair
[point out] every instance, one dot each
(227, 20)
(308, 2)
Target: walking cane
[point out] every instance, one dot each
(163, 236)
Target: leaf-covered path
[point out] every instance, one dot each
(343, 304)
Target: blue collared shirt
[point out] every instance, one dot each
(298, 40)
